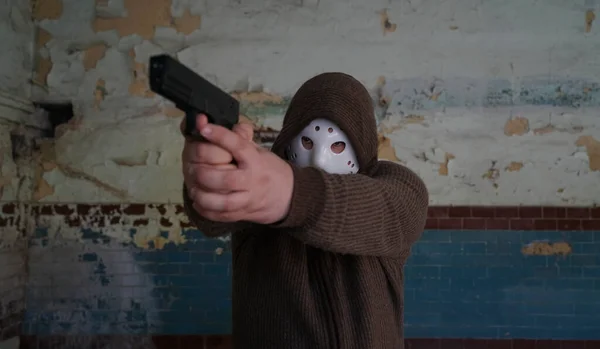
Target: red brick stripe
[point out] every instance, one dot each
(514, 218)
(440, 217)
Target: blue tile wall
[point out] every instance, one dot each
(459, 284)
(478, 284)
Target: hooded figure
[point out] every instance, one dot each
(330, 274)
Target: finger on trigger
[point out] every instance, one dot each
(201, 120)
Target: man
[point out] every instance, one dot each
(320, 240)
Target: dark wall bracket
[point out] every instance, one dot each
(58, 113)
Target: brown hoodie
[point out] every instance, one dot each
(330, 275)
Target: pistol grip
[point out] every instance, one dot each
(191, 131)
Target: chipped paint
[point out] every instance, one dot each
(43, 37)
(42, 189)
(142, 18)
(386, 150)
(452, 96)
(443, 170)
(517, 126)
(46, 9)
(386, 25)
(544, 248)
(187, 23)
(592, 148)
(590, 17)
(514, 166)
(140, 85)
(92, 55)
(42, 69)
(157, 227)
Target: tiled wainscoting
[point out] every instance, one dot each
(139, 276)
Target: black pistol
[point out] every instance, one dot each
(192, 94)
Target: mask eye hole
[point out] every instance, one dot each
(338, 147)
(307, 143)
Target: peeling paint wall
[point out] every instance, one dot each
(128, 271)
(16, 66)
(491, 103)
(16, 35)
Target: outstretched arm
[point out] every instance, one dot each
(382, 215)
(210, 228)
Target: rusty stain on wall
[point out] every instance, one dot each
(516, 126)
(144, 17)
(99, 93)
(386, 25)
(592, 147)
(544, 248)
(514, 166)
(46, 9)
(590, 17)
(443, 170)
(383, 100)
(385, 149)
(92, 55)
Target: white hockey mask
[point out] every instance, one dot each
(324, 145)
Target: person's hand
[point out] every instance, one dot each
(195, 155)
(259, 189)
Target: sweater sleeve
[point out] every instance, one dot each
(382, 215)
(210, 228)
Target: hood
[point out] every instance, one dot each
(341, 99)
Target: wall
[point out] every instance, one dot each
(518, 81)
(492, 103)
(16, 64)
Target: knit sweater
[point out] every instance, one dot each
(329, 275)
